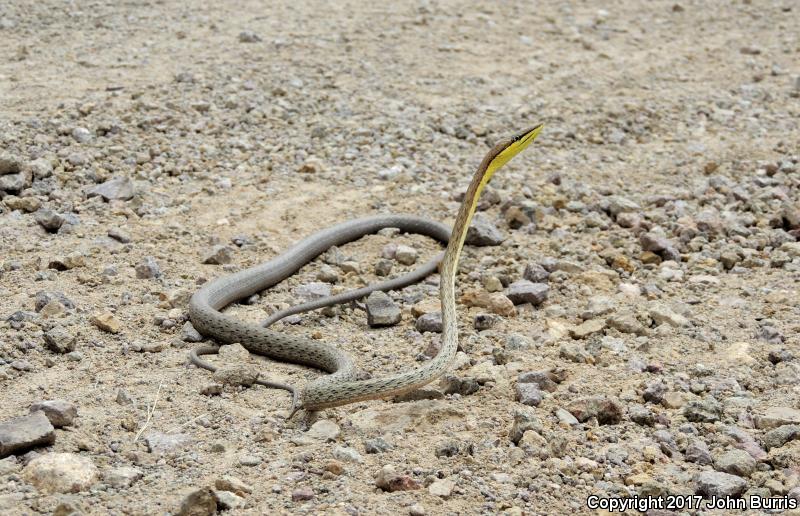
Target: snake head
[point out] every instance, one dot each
(510, 147)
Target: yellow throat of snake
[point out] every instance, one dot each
(498, 156)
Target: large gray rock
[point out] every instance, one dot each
(9, 164)
(718, 484)
(697, 451)
(24, 432)
(118, 188)
(122, 477)
(161, 443)
(431, 322)
(60, 340)
(381, 310)
(528, 394)
(43, 297)
(708, 410)
(773, 417)
(483, 233)
(736, 462)
(524, 291)
(779, 436)
(61, 413)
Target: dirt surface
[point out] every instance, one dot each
(659, 209)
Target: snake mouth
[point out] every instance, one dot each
(527, 135)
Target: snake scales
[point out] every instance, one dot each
(341, 387)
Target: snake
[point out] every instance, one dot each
(343, 386)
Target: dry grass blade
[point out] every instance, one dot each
(150, 412)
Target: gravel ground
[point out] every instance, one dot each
(629, 325)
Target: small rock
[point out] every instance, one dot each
(233, 484)
(312, 291)
(483, 233)
(535, 273)
(565, 417)
(383, 267)
(774, 417)
(587, 328)
(44, 298)
(454, 385)
(662, 314)
(250, 461)
(324, 429)
(736, 462)
(228, 501)
(429, 323)
(60, 413)
(49, 220)
(198, 503)
(778, 356)
(524, 291)
(148, 268)
(718, 484)
(239, 374)
(641, 415)
(523, 421)
(607, 411)
(442, 488)
(328, 274)
(708, 410)
(416, 510)
(161, 443)
(389, 480)
(118, 188)
(302, 494)
(405, 255)
(16, 183)
(545, 380)
(119, 235)
(347, 454)
(496, 303)
(107, 322)
(218, 255)
(626, 323)
(41, 168)
(697, 452)
(617, 205)
(576, 353)
(60, 473)
(528, 394)
(122, 477)
(9, 164)
(377, 445)
(248, 36)
(189, 333)
(381, 310)
(654, 392)
(779, 436)
(485, 321)
(26, 204)
(25, 432)
(59, 340)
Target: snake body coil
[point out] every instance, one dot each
(340, 387)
